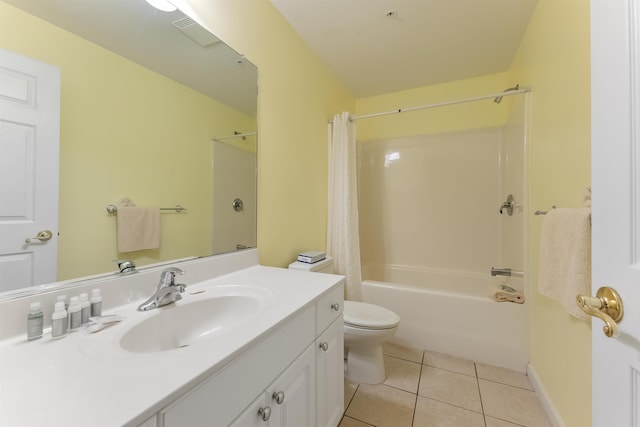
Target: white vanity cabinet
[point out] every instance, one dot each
(289, 401)
(330, 359)
(293, 377)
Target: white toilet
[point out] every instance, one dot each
(366, 327)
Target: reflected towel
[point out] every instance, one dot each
(507, 293)
(565, 257)
(138, 228)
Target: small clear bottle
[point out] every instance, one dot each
(75, 315)
(96, 303)
(59, 321)
(35, 322)
(85, 308)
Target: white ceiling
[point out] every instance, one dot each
(426, 42)
(137, 31)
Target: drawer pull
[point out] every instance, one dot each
(264, 413)
(278, 396)
(324, 346)
(335, 306)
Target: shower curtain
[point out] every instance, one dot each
(343, 238)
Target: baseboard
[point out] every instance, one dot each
(549, 408)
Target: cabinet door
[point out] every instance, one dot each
(292, 395)
(256, 415)
(330, 375)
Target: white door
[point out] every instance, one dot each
(29, 157)
(615, 100)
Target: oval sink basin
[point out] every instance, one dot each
(179, 326)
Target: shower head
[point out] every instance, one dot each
(498, 99)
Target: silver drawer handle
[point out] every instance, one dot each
(335, 306)
(324, 346)
(264, 413)
(278, 396)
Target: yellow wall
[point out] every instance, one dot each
(297, 95)
(554, 60)
(120, 137)
(458, 117)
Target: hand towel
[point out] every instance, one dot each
(565, 257)
(507, 293)
(138, 228)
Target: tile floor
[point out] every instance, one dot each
(428, 389)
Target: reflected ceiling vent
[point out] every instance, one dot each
(196, 32)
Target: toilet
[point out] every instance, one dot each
(366, 328)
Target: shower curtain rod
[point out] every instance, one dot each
(237, 135)
(442, 104)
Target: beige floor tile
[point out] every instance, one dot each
(352, 422)
(494, 422)
(504, 376)
(382, 406)
(431, 413)
(450, 387)
(450, 363)
(512, 404)
(402, 374)
(349, 390)
(403, 352)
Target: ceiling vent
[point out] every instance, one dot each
(195, 32)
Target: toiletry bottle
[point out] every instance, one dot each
(75, 315)
(59, 321)
(96, 303)
(63, 298)
(85, 308)
(35, 322)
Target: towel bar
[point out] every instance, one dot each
(543, 212)
(114, 209)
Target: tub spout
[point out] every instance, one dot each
(500, 271)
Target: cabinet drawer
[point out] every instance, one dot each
(330, 307)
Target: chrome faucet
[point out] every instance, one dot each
(500, 271)
(168, 290)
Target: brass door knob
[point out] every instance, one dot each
(607, 306)
(42, 236)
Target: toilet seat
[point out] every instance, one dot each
(369, 316)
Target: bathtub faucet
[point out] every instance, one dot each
(500, 271)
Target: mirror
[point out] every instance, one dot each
(144, 93)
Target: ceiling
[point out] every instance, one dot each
(167, 42)
(382, 46)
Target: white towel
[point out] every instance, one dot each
(138, 228)
(565, 257)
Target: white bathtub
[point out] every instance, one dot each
(453, 313)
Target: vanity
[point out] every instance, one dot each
(247, 345)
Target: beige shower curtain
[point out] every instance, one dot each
(343, 237)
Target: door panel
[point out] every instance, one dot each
(29, 157)
(615, 100)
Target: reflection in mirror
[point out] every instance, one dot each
(143, 93)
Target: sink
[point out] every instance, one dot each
(178, 326)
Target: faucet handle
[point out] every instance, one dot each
(168, 275)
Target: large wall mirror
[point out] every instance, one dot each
(153, 108)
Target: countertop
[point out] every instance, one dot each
(87, 379)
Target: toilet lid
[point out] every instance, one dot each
(363, 315)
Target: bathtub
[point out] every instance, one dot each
(453, 313)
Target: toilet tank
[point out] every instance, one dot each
(324, 266)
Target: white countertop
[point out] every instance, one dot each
(87, 379)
